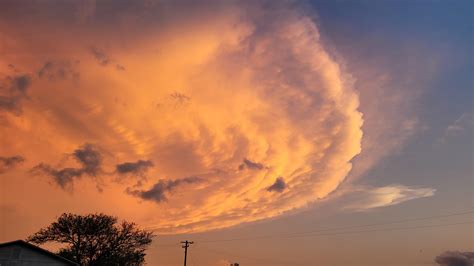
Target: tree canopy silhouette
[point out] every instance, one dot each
(96, 239)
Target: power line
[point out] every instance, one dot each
(393, 222)
(388, 229)
(311, 232)
(361, 226)
(332, 233)
(268, 260)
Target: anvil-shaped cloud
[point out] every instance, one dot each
(245, 99)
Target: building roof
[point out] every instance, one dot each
(38, 249)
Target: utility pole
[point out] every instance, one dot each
(186, 246)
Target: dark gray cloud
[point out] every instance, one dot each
(158, 192)
(137, 168)
(251, 165)
(90, 158)
(59, 70)
(21, 83)
(455, 258)
(13, 90)
(7, 163)
(62, 177)
(278, 186)
(87, 156)
(100, 55)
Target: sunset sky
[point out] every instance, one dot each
(269, 132)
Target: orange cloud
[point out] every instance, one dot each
(237, 102)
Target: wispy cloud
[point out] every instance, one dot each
(7, 163)
(460, 126)
(365, 198)
(398, 80)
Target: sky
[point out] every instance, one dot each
(267, 132)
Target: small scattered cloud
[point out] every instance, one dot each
(120, 67)
(87, 156)
(278, 186)
(21, 83)
(104, 59)
(7, 163)
(59, 70)
(158, 193)
(136, 168)
(248, 164)
(364, 198)
(179, 98)
(458, 127)
(100, 56)
(13, 90)
(455, 258)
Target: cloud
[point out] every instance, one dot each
(59, 70)
(13, 90)
(137, 168)
(458, 127)
(159, 191)
(100, 56)
(461, 124)
(21, 83)
(250, 165)
(120, 67)
(104, 59)
(380, 71)
(179, 98)
(364, 198)
(87, 156)
(62, 177)
(278, 186)
(455, 258)
(7, 163)
(262, 86)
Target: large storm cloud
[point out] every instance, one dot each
(245, 98)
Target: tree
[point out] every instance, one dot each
(96, 239)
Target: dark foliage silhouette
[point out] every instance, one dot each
(96, 239)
